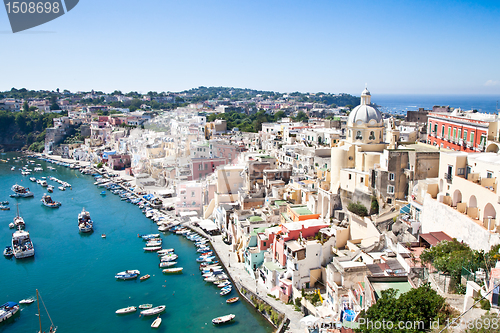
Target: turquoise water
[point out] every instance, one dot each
(74, 273)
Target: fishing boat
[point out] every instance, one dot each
(232, 300)
(21, 191)
(165, 251)
(153, 311)
(2, 207)
(103, 235)
(8, 252)
(177, 270)
(144, 277)
(129, 309)
(129, 274)
(224, 292)
(85, 223)
(156, 323)
(52, 328)
(145, 306)
(27, 301)
(7, 310)
(223, 319)
(22, 246)
(48, 202)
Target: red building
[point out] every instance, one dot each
(203, 167)
(460, 131)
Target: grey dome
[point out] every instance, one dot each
(365, 92)
(365, 113)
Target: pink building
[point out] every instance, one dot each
(190, 197)
(203, 167)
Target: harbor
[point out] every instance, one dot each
(75, 271)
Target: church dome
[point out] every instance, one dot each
(365, 92)
(364, 113)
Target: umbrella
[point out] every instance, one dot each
(309, 320)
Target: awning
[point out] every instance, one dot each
(208, 225)
(405, 209)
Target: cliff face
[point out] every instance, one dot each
(12, 142)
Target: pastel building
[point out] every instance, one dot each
(189, 197)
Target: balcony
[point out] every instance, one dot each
(448, 177)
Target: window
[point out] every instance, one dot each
(358, 135)
(489, 174)
(206, 166)
(390, 189)
(472, 138)
(391, 176)
(372, 135)
(200, 167)
(459, 133)
(349, 176)
(465, 135)
(192, 193)
(229, 156)
(362, 179)
(461, 171)
(454, 134)
(435, 128)
(442, 132)
(449, 132)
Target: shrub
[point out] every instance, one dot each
(358, 209)
(485, 304)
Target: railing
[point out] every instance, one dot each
(448, 177)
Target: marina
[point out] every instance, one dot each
(81, 281)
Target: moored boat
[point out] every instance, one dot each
(145, 306)
(232, 300)
(22, 246)
(128, 274)
(21, 191)
(176, 270)
(85, 223)
(144, 277)
(48, 202)
(129, 309)
(156, 323)
(8, 252)
(223, 319)
(153, 311)
(152, 248)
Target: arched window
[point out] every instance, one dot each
(372, 135)
(358, 135)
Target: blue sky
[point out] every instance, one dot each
(395, 47)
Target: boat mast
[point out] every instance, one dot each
(39, 317)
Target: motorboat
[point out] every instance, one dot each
(103, 235)
(85, 223)
(144, 277)
(165, 251)
(224, 292)
(21, 191)
(145, 306)
(2, 207)
(232, 300)
(176, 270)
(33, 179)
(22, 246)
(50, 189)
(223, 319)
(165, 264)
(156, 323)
(27, 301)
(152, 248)
(7, 310)
(43, 183)
(128, 274)
(153, 311)
(224, 284)
(8, 252)
(62, 188)
(129, 309)
(148, 237)
(169, 257)
(154, 243)
(12, 225)
(48, 202)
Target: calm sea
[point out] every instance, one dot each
(74, 273)
(399, 104)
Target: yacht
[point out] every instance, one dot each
(21, 191)
(7, 310)
(18, 220)
(22, 245)
(85, 224)
(48, 202)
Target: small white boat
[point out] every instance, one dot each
(176, 270)
(165, 251)
(152, 248)
(128, 274)
(156, 323)
(62, 188)
(223, 319)
(145, 306)
(130, 309)
(165, 264)
(153, 311)
(26, 301)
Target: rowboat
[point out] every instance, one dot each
(176, 270)
(232, 300)
(144, 277)
(153, 311)
(145, 306)
(223, 319)
(156, 323)
(130, 309)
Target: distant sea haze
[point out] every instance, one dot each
(399, 104)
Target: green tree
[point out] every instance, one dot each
(26, 107)
(420, 306)
(301, 116)
(358, 208)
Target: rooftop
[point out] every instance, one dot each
(301, 210)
